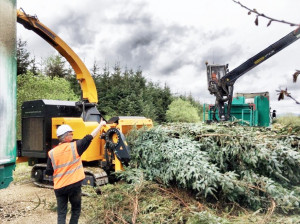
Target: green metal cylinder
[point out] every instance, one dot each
(8, 70)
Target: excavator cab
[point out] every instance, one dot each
(214, 74)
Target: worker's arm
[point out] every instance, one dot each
(98, 128)
(84, 143)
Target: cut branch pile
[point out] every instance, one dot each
(258, 168)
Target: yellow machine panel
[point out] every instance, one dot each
(81, 129)
(126, 123)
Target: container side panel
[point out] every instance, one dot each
(8, 66)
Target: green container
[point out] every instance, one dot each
(253, 114)
(8, 66)
(263, 110)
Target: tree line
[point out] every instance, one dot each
(121, 92)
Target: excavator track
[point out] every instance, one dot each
(94, 176)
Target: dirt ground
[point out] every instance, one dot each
(26, 203)
(23, 202)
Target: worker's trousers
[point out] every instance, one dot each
(74, 196)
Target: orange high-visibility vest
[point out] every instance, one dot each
(67, 165)
(214, 76)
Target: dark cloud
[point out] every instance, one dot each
(76, 26)
(139, 47)
(136, 15)
(146, 40)
(174, 64)
(224, 55)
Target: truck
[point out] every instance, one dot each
(40, 118)
(221, 81)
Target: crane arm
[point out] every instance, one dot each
(221, 85)
(265, 54)
(87, 84)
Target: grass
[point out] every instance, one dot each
(288, 120)
(22, 173)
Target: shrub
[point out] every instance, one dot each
(182, 111)
(32, 87)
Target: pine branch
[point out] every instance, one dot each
(230, 163)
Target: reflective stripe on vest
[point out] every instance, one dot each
(66, 161)
(65, 164)
(68, 172)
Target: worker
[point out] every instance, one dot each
(214, 76)
(65, 165)
(274, 114)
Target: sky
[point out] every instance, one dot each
(170, 40)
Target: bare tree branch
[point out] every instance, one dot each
(263, 15)
(281, 93)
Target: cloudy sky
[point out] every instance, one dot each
(170, 40)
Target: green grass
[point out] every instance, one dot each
(22, 173)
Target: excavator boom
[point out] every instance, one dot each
(265, 54)
(221, 81)
(87, 84)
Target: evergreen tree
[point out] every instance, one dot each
(161, 100)
(33, 68)
(55, 67)
(129, 94)
(71, 77)
(95, 69)
(23, 57)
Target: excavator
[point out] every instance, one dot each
(221, 80)
(107, 153)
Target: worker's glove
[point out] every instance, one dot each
(98, 128)
(102, 122)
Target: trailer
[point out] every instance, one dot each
(8, 71)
